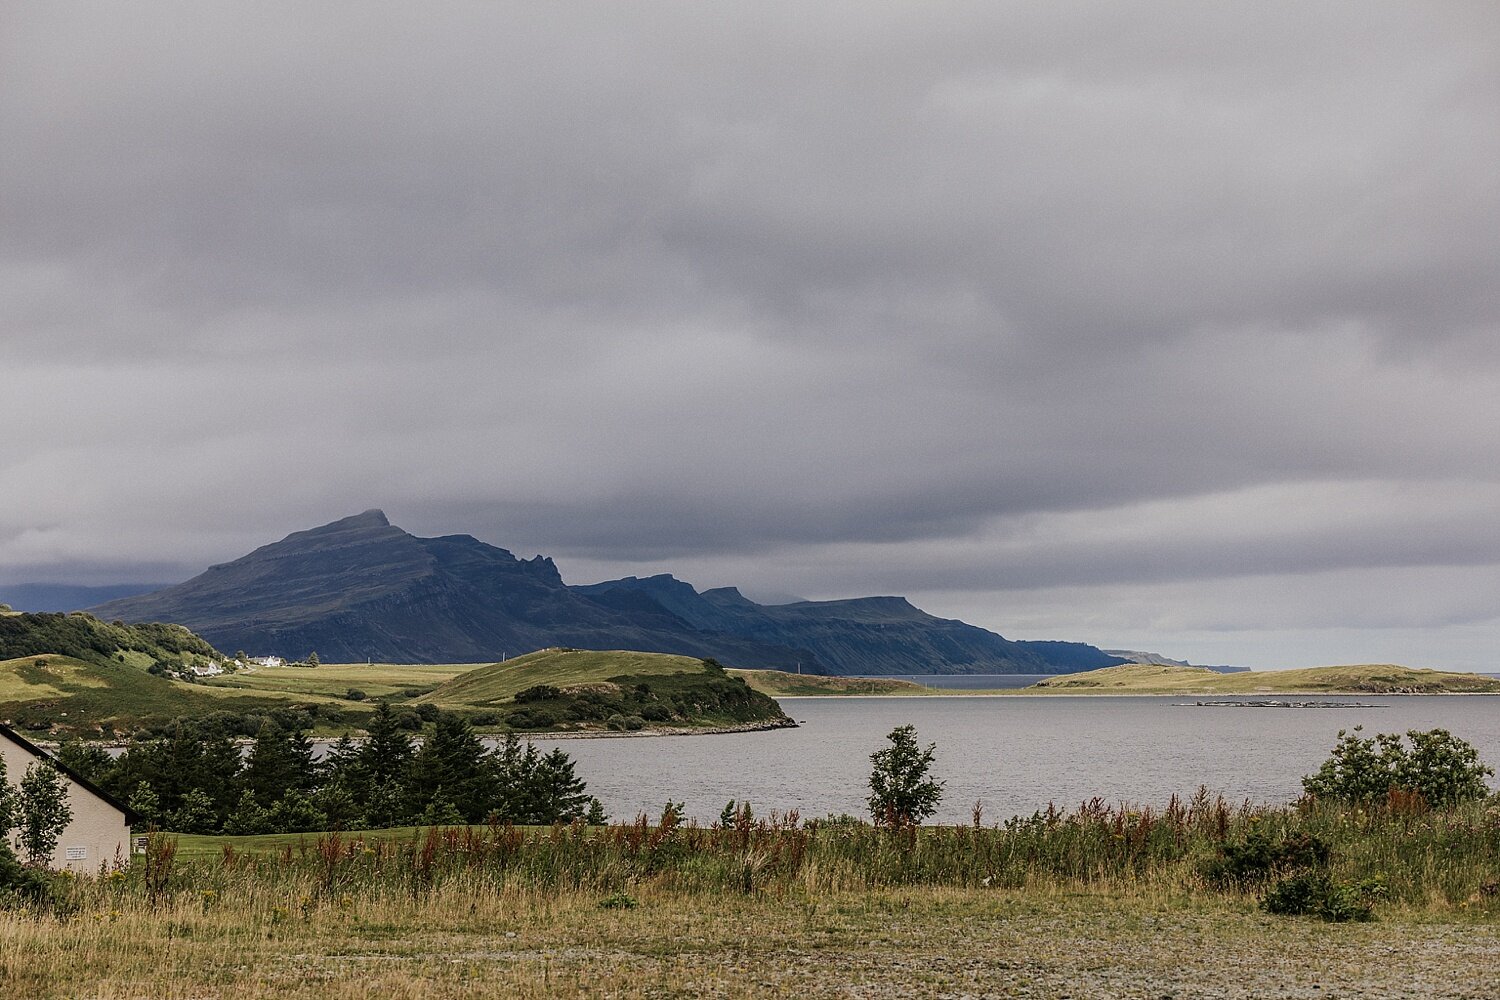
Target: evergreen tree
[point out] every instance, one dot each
(380, 771)
(453, 760)
(280, 762)
(559, 791)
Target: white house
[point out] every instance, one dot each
(98, 836)
(268, 661)
(212, 670)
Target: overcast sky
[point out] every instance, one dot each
(1165, 325)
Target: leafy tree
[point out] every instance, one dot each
(44, 810)
(146, 803)
(901, 793)
(195, 815)
(87, 759)
(1439, 767)
(248, 816)
(296, 813)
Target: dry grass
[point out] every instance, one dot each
(470, 939)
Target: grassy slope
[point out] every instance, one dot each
(1136, 678)
(81, 695)
(498, 683)
(781, 683)
(333, 680)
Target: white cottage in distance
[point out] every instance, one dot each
(98, 835)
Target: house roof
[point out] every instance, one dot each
(131, 816)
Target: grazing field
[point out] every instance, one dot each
(335, 680)
(1139, 678)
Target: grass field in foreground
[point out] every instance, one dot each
(1379, 678)
(459, 942)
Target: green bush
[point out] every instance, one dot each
(1318, 894)
(1439, 767)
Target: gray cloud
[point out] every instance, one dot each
(987, 302)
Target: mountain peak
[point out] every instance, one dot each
(372, 518)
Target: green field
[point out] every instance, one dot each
(1383, 678)
(334, 680)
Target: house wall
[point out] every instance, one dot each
(98, 830)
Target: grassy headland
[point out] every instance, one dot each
(1139, 678)
(75, 675)
(561, 690)
(785, 684)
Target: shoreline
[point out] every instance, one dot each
(1024, 693)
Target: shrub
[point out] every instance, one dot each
(538, 692)
(1258, 857)
(355, 694)
(1317, 893)
(1439, 767)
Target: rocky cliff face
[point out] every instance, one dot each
(362, 588)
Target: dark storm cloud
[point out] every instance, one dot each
(965, 298)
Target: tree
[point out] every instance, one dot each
(44, 810)
(452, 762)
(901, 793)
(312, 659)
(280, 762)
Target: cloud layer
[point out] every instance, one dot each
(1170, 322)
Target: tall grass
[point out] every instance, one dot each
(1425, 859)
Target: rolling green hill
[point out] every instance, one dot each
(84, 637)
(564, 689)
(64, 694)
(1370, 678)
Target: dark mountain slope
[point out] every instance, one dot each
(361, 588)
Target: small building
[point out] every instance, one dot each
(268, 661)
(98, 835)
(211, 670)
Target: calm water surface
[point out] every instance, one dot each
(1013, 754)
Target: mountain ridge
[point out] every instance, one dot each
(361, 588)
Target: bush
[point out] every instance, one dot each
(538, 692)
(355, 694)
(1258, 858)
(1316, 893)
(1439, 767)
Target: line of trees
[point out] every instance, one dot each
(198, 780)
